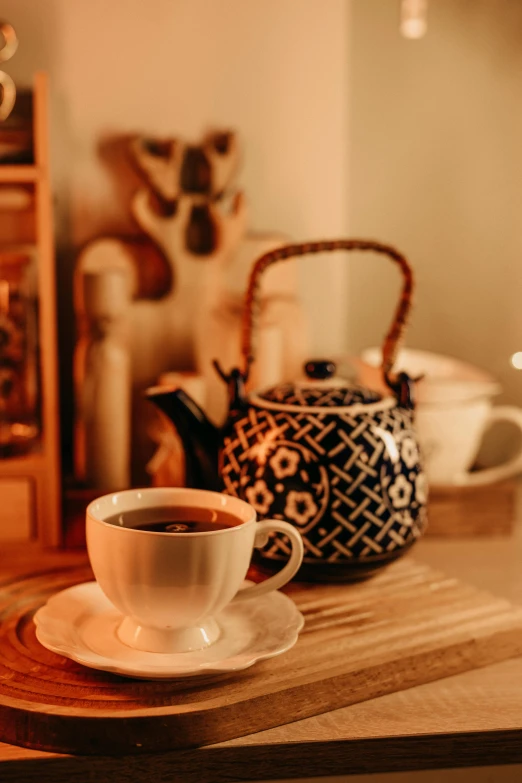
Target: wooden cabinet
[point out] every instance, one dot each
(30, 494)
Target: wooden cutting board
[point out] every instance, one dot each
(408, 625)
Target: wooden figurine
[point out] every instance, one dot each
(190, 212)
(171, 167)
(103, 383)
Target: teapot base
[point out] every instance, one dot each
(322, 571)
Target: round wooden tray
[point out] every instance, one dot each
(51, 703)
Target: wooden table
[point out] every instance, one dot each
(473, 719)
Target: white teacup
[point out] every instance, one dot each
(450, 435)
(170, 587)
(453, 411)
(442, 378)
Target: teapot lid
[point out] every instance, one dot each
(319, 390)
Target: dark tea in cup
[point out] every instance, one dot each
(174, 519)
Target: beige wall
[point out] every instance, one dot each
(273, 69)
(329, 100)
(436, 168)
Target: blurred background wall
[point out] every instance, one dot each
(347, 127)
(436, 168)
(274, 70)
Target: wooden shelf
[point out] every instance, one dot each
(26, 463)
(27, 248)
(31, 483)
(19, 173)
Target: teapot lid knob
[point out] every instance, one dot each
(320, 369)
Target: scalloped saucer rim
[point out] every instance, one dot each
(80, 623)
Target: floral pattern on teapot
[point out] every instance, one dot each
(351, 483)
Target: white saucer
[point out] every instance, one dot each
(81, 624)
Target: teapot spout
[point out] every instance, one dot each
(200, 438)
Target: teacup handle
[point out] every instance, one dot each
(289, 570)
(505, 470)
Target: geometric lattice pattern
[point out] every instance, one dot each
(352, 484)
(324, 396)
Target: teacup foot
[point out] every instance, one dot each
(168, 640)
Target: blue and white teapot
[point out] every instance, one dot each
(338, 461)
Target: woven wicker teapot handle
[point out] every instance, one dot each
(393, 338)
